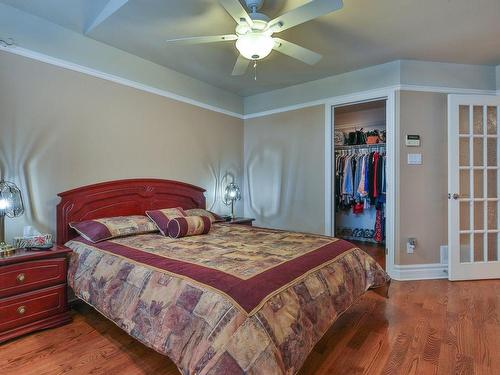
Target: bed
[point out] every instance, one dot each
(238, 300)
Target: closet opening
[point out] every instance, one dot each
(359, 178)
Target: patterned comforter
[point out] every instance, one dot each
(239, 300)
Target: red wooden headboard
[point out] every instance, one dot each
(120, 198)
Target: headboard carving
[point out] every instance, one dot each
(120, 198)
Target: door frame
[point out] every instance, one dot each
(467, 269)
(392, 171)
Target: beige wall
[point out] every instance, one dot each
(284, 170)
(284, 166)
(60, 129)
(423, 188)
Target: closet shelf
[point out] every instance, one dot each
(349, 147)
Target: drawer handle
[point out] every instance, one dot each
(20, 278)
(21, 310)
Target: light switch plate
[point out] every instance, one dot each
(414, 159)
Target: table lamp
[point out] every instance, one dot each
(231, 194)
(11, 205)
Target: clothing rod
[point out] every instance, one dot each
(348, 147)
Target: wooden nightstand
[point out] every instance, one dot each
(241, 221)
(33, 291)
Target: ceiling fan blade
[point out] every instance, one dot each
(241, 66)
(236, 10)
(203, 39)
(296, 51)
(304, 13)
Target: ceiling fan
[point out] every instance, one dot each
(254, 32)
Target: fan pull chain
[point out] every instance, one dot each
(255, 70)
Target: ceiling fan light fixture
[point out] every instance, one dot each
(254, 31)
(255, 45)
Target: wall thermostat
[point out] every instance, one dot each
(413, 140)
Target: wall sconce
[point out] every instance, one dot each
(11, 205)
(231, 194)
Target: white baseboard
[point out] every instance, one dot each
(419, 271)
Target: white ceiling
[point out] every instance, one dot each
(363, 33)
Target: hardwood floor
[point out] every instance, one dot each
(425, 327)
(376, 250)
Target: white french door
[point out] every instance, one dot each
(473, 186)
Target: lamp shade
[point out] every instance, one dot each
(232, 193)
(11, 201)
(255, 45)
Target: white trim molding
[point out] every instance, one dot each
(374, 92)
(419, 272)
(392, 165)
(445, 90)
(16, 50)
(349, 98)
(171, 95)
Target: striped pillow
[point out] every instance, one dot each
(162, 217)
(189, 226)
(111, 227)
(214, 218)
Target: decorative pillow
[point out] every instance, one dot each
(214, 218)
(162, 217)
(112, 227)
(189, 226)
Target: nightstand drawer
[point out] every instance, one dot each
(29, 307)
(31, 275)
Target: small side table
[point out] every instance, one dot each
(241, 220)
(33, 292)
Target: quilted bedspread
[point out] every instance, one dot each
(239, 300)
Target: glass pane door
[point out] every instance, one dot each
(474, 181)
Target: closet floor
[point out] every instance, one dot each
(377, 251)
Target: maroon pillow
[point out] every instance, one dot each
(162, 217)
(189, 226)
(214, 218)
(112, 227)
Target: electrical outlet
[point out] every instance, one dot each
(409, 248)
(410, 245)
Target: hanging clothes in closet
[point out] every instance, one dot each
(360, 183)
